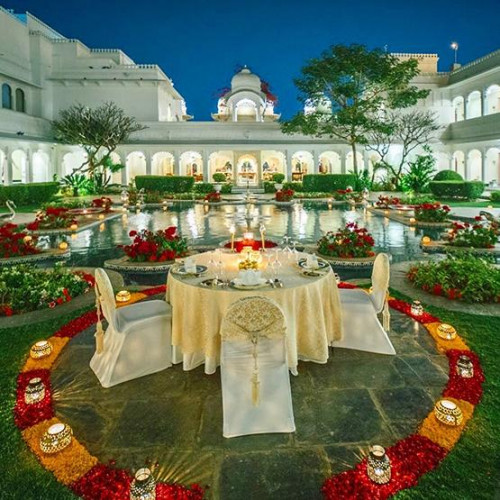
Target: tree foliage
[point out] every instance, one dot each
(408, 129)
(97, 130)
(359, 84)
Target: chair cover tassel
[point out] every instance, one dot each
(99, 334)
(386, 317)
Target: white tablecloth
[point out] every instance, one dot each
(311, 307)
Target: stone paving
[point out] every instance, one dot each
(175, 417)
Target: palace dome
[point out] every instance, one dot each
(245, 79)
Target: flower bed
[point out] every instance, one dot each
(474, 235)
(466, 278)
(159, 246)
(349, 242)
(14, 242)
(24, 288)
(411, 457)
(284, 195)
(52, 218)
(386, 201)
(431, 212)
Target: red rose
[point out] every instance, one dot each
(132, 234)
(52, 304)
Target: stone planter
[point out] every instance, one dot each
(217, 187)
(362, 262)
(278, 186)
(125, 265)
(52, 254)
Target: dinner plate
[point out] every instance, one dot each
(312, 273)
(322, 264)
(181, 270)
(236, 283)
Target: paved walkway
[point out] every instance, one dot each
(175, 417)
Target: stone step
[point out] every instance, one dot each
(239, 190)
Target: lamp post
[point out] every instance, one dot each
(454, 46)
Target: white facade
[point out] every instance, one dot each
(42, 72)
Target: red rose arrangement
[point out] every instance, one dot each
(284, 195)
(213, 197)
(52, 218)
(159, 246)
(481, 234)
(104, 202)
(431, 212)
(349, 242)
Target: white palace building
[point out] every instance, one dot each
(43, 72)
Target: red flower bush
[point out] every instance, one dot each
(104, 202)
(213, 197)
(478, 235)
(431, 212)
(284, 195)
(255, 244)
(385, 201)
(14, 242)
(52, 218)
(350, 242)
(159, 246)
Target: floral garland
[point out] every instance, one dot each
(74, 466)
(410, 457)
(422, 452)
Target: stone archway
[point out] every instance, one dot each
(302, 164)
(247, 170)
(221, 162)
(330, 163)
(40, 166)
(19, 166)
(458, 109)
(273, 162)
(459, 162)
(474, 164)
(493, 99)
(135, 165)
(474, 104)
(191, 163)
(492, 165)
(162, 163)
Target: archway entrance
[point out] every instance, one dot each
(247, 169)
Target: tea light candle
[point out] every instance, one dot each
(101, 216)
(143, 486)
(262, 236)
(27, 238)
(448, 413)
(378, 465)
(248, 236)
(425, 240)
(232, 231)
(465, 367)
(446, 332)
(417, 308)
(73, 227)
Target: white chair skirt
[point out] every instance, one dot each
(362, 329)
(141, 346)
(274, 411)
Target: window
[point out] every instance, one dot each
(6, 96)
(20, 101)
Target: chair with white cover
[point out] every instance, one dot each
(137, 341)
(256, 395)
(361, 327)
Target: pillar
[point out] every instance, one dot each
(466, 166)
(484, 102)
(125, 170)
(204, 161)
(315, 156)
(343, 155)
(484, 165)
(148, 158)
(5, 166)
(465, 108)
(288, 158)
(176, 167)
(29, 166)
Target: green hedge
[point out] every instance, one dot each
(495, 196)
(327, 183)
(203, 187)
(269, 187)
(165, 184)
(298, 187)
(29, 194)
(448, 175)
(457, 189)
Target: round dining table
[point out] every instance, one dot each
(310, 303)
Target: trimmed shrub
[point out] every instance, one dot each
(278, 178)
(495, 196)
(165, 184)
(269, 187)
(448, 175)
(29, 194)
(226, 188)
(203, 187)
(327, 182)
(294, 186)
(457, 189)
(219, 177)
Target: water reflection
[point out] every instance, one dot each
(305, 223)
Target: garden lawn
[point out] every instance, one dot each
(473, 204)
(471, 471)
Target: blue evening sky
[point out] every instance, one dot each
(199, 43)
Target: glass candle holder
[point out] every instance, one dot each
(378, 465)
(446, 332)
(35, 391)
(425, 240)
(417, 308)
(143, 486)
(56, 438)
(40, 349)
(448, 413)
(63, 245)
(73, 227)
(465, 367)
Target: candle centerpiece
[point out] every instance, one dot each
(250, 259)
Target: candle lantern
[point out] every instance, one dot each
(378, 465)
(123, 296)
(35, 391)
(448, 413)
(426, 240)
(101, 216)
(73, 227)
(143, 486)
(249, 259)
(27, 238)
(446, 332)
(232, 231)
(40, 349)
(337, 278)
(56, 438)
(465, 367)
(262, 236)
(417, 308)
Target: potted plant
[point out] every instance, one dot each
(219, 178)
(278, 181)
(284, 196)
(347, 243)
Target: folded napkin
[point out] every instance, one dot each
(249, 277)
(190, 265)
(312, 261)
